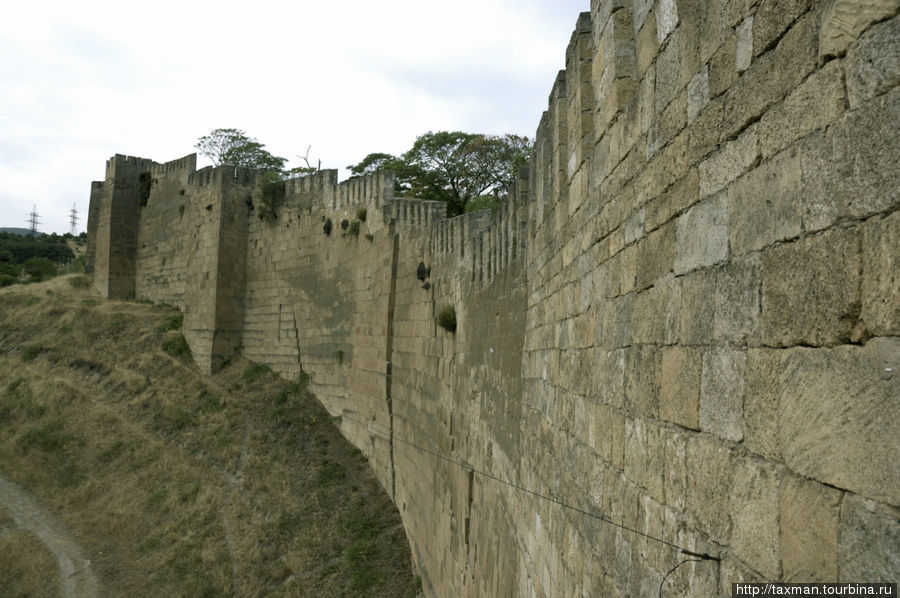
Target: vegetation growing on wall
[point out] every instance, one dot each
(446, 318)
(454, 167)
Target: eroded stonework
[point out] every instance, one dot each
(684, 322)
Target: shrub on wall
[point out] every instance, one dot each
(361, 214)
(145, 182)
(446, 318)
(353, 229)
(272, 197)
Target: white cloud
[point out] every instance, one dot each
(82, 81)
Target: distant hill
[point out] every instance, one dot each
(17, 231)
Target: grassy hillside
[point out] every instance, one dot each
(174, 483)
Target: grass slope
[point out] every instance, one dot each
(178, 484)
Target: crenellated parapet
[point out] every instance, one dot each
(678, 333)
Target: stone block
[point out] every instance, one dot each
(849, 171)
(642, 367)
(844, 20)
(810, 291)
(646, 46)
(881, 275)
(697, 312)
(648, 317)
(765, 205)
(675, 65)
(768, 79)
(869, 537)
(645, 456)
(709, 471)
(679, 392)
(810, 514)
(675, 480)
(838, 418)
(736, 158)
(611, 377)
(817, 102)
(744, 45)
(737, 302)
(873, 62)
(722, 393)
(697, 93)
(666, 13)
(701, 238)
(680, 196)
(722, 69)
(773, 18)
(648, 104)
(655, 256)
(762, 387)
(755, 537)
(672, 286)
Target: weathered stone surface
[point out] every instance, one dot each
(656, 256)
(729, 163)
(646, 46)
(849, 171)
(744, 48)
(873, 62)
(642, 365)
(722, 67)
(809, 517)
(711, 470)
(881, 275)
(754, 515)
(697, 93)
(817, 102)
(761, 392)
(666, 19)
(675, 65)
(645, 456)
(810, 291)
(679, 398)
(844, 20)
(869, 537)
(773, 18)
(838, 418)
(722, 393)
(764, 205)
(702, 236)
(697, 312)
(737, 302)
(770, 77)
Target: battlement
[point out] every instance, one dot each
(699, 261)
(127, 165)
(187, 163)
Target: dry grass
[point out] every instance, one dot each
(179, 484)
(27, 568)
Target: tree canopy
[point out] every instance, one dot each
(234, 147)
(461, 169)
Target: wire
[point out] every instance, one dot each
(671, 571)
(387, 434)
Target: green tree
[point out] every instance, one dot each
(461, 169)
(235, 148)
(40, 268)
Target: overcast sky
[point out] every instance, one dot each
(81, 81)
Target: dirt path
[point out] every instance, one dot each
(74, 569)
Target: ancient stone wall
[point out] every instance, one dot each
(680, 333)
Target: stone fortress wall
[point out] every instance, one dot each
(681, 333)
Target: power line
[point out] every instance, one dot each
(372, 427)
